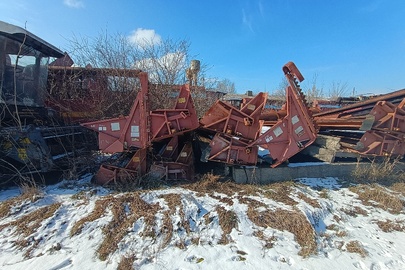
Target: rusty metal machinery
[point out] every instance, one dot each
(238, 131)
(296, 130)
(132, 136)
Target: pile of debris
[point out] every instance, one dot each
(160, 142)
(166, 143)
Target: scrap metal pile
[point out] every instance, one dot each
(160, 142)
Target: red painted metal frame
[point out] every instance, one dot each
(182, 118)
(377, 143)
(296, 130)
(119, 134)
(136, 132)
(232, 150)
(134, 169)
(244, 122)
(387, 135)
(174, 165)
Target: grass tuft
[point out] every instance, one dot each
(376, 195)
(356, 247)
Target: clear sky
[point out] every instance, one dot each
(360, 43)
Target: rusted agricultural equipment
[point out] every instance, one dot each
(134, 134)
(32, 137)
(371, 128)
(387, 134)
(235, 129)
(238, 130)
(297, 129)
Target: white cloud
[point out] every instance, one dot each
(142, 37)
(74, 3)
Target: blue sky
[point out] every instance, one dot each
(359, 43)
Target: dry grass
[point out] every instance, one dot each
(292, 221)
(228, 220)
(210, 183)
(29, 224)
(338, 232)
(356, 247)
(354, 211)
(268, 241)
(324, 194)
(378, 196)
(173, 201)
(280, 192)
(98, 211)
(390, 226)
(398, 187)
(314, 203)
(126, 263)
(224, 200)
(122, 220)
(381, 171)
(29, 194)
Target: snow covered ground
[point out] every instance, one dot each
(305, 224)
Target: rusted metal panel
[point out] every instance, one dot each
(175, 165)
(377, 143)
(118, 134)
(182, 118)
(296, 130)
(232, 150)
(244, 122)
(129, 167)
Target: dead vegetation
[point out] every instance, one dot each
(391, 225)
(376, 195)
(174, 229)
(27, 225)
(292, 221)
(268, 241)
(228, 221)
(356, 247)
(280, 192)
(354, 211)
(29, 194)
(126, 262)
(380, 171)
(175, 206)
